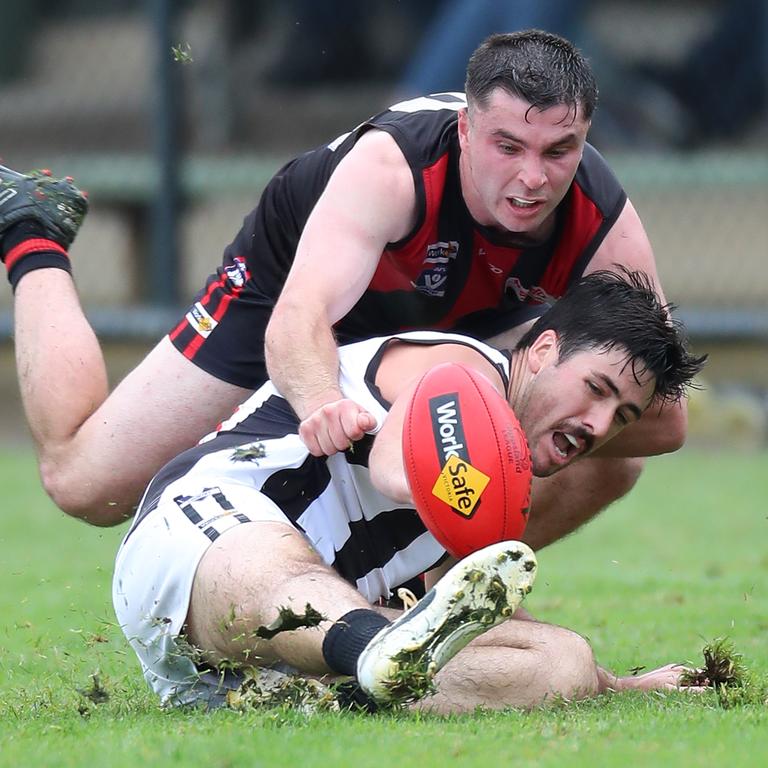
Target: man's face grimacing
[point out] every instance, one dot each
(517, 161)
(572, 407)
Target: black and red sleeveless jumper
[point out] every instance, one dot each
(449, 273)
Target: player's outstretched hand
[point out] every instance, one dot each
(333, 427)
(666, 678)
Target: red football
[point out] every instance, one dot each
(466, 459)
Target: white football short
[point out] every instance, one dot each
(152, 585)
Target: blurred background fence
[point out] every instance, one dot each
(174, 114)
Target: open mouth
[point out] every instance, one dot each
(567, 445)
(523, 202)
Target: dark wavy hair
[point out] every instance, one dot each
(620, 310)
(543, 69)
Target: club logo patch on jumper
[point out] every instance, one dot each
(434, 276)
(200, 320)
(460, 485)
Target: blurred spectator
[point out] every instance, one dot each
(19, 25)
(459, 26)
(319, 47)
(21, 20)
(721, 84)
(336, 41)
(715, 91)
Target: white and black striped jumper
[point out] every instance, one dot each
(367, 538)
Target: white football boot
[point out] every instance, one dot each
(479, 592)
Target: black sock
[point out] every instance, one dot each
(348, 636)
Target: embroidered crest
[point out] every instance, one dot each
(434, 276)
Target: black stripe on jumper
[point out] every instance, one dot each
(373, 543)
(293, 490)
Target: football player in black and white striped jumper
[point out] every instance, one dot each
(249, 525)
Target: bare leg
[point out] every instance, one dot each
(572, 497)
(253, 570)
(97, 453)
(517, 664)
(242, 580)
(61, 370)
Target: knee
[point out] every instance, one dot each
(571, 666)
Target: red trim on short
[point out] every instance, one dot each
(194, 345)
(212, 286)
(224, 304)
(191, 349)
(33, 245)
(178, 329)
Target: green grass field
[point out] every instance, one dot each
(682, 561)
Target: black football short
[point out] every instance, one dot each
(223, 330)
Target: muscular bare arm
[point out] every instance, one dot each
(659, 430)
(369, 201)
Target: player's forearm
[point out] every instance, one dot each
(302, 358)
(385, 462)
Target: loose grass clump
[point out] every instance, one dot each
(725, 671)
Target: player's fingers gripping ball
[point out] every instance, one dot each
(466, 459)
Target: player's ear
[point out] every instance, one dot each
(543, 351)
(463, 128)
